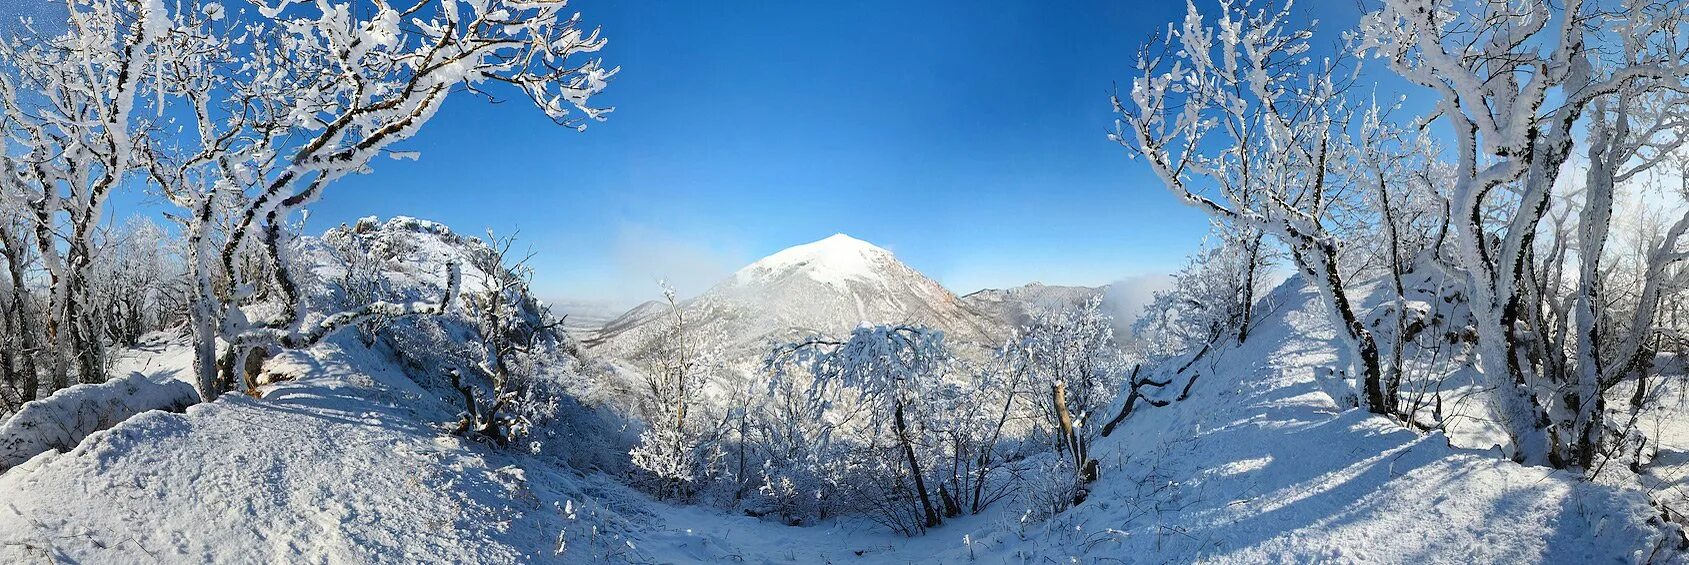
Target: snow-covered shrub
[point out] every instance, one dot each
(981, 435)
(1045, 489)
(666, 453)
(366, 260)
(867, 400)
(1208, 300)
(804, 431)
(677, 443)
(1074, 362)
(61, 421)
(517, 337)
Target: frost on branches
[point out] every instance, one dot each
(243, 116)
(670, 447)
(1514, 91)
(1551, 116)
(1238, 122)
(1074, 362)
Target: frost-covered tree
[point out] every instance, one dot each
(134, 283)
(20, 336)
(981, 421)
(807, 434)
(515, 333)
(242, 115)
(1074, 363)
(1238, 122)
(1487, 239)
(893, 367)
(1210, 298)
(669, 448)
(891, 370)
(69, 141)
(1514, 83)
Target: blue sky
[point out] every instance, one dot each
(967, 137)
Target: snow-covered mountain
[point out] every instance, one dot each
(825, 287)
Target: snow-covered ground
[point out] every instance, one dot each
(348, 464)
(1667, 476)
(351, 462)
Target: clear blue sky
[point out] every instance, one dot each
(967, 137)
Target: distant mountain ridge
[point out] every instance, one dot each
(1016, 306)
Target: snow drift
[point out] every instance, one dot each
(61, 421)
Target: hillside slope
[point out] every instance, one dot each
(1258, 466)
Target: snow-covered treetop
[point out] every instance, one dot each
(892, 363)
(834, 260)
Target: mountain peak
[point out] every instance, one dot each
(824, 287)
(833, 260)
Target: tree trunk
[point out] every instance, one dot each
(251, 367)
(1247, 300)
(1064, 422)
(27, 380)
(470, 410)
(1510, 403)
(1393, 378)
(932, 517)
(1084, 469)
(1352, 329)
(203, 305)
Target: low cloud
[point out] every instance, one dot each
(1128, 296)
(643, 255)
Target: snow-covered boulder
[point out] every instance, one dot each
(60, 421)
